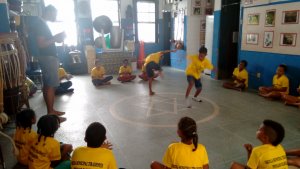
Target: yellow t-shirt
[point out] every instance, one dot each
(93, 158)
(42, 153)
(268, 157)
(241, 75)
(23, 139)
(61, 73)
(98, 73)
(283, 81)
(153, 57)
(180, 155)
(124, 69)
(196, 66)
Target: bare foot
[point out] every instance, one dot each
(152, 93)
(58, 113)
(62, 119)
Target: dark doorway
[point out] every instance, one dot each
(166, 36)
(228, 50)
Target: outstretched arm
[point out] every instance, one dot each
(293, 152)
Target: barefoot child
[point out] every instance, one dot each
(98, 75)
(125, 72)
(193, 72)
(240, 78)
(292, 100)
(187, 153)
(152, 63)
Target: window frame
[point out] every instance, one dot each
(156, 19)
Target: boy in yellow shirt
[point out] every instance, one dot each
(270, 154)
(152, 63)
(98, 75)
(46, 152)
(125, 72)
(193, 72)
(24, 135)
(187, 153)
(64, 87)
(280, 85)
(97, 153)
(292, 100)
(240, 78)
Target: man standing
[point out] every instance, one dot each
(48, 57)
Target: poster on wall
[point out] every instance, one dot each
(290, 17)
(197, 11)
(270, 18)
(288, 39)
(252, 38)
(253, 19)
(268, 39)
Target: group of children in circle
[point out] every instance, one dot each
(40, 150)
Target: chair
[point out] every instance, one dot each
(35, 74)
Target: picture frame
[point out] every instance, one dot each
(268, 39)
(253, 19)
(270, 18)
(290, 17)
(197, 3)
(196, 11)
(248, 2)
(288, 39)
(252, 38)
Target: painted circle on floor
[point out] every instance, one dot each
(162, 109)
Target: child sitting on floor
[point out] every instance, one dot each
(98, 75)
(46, 152)
(292, 100)
(280, 85)
(268, 155)
(187, 153)
(125, 72)
(240, 78)
(64, 86)
(24, 135)
(97, 153)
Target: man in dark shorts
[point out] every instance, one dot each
(47, 57)
(152, 64)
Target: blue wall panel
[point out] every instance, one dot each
(216, 42)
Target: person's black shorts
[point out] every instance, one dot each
(197, 82)
(150, 67)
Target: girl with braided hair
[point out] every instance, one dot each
(187, 153)
(24, 135)
(46, 152)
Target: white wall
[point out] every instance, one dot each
(218, 5)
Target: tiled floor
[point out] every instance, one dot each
(140, 127)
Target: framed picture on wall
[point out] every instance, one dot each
(197, 3)
(290, 17)
(248, 2)
(252, 38)
(197, 11)
(268, 39)
(288, 39)
(270, 18)
(253, 19)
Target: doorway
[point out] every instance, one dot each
(229, 31)
(166, 37)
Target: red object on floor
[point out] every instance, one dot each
(141, 55)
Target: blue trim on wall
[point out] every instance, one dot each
(274, 3)
(266, 63)
(216, 42)
(4, 28)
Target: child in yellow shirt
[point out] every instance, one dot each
(24, 135)
(280, 85)
(270, 154)
(97, 153)
(46, 152)
(98, 75)
(144, 76)
(125, 72)
(187, 153)
(193, 73)
(240, 78)
(292, 100)
(64, 86)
